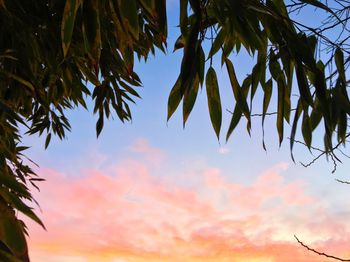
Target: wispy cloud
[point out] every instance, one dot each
(223, 150)
(124, 213)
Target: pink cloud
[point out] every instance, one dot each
(152, 154)
(124, 213)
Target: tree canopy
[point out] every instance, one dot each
(54, 54)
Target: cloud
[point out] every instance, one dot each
(125, 213)
(224, 150)
(152, 155)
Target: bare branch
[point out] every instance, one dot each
(319, 253)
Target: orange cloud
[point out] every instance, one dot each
(124, 213)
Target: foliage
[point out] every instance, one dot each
(51, 49)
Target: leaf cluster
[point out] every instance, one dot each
(55, 54)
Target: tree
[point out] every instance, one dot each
(51, 49)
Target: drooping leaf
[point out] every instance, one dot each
(306, 129)
(339, 61)
(241, 101)
(130, 16)
(214, 101)
(175, 97)
(236, 117)
(11, 233)
(92, 29)
(68, 20)
(189, 99)
(294, 127)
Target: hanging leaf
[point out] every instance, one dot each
(339, 62)
(175, 97)
(67, 26)
(237, 92)
(236, 117)
(92, 29)
(306, 129)
(294, 127)
(99, 123)
(189, 99)
(267, 97)
(214, 102)
(280, 110)
(47, 140)
(11, 233)
(130, 20)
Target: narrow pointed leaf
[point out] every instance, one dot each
(214, 101)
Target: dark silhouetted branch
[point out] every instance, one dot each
(319, 253)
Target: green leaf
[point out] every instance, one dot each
(217, 43)
(67, 25)
(183, 16)
(10, 181)
(175, 97)
(339, 61)
(92, 29)
(267, 97)
(237, 92)
(99, 123)
(19, 79)
(47, 140)
(149, 5)
(11, 233)
(280, 110)
(189, 99)
(161, 19)
(294, 126)
(129, 13)
(236, 117)
(306, 129)
(342, 127)
(214, 101)
(303, 85)
(18, 204)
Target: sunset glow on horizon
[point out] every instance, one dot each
(132, 211)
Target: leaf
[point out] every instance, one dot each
(237, 92)
(217, 43)
(183, 16)
(18, 204)
(92, 30)
(294, 127)
(47, 140)
(266, 102)
(129, 13)
(67, 25)
(189, 99)
(236, 117)
(342, 127)
(280, 110)
(11, 233)
(303, 85)
(318, 4)
(149, 5)
(214, 101)
(339, 61)
(99, 123)
(306, 129)
(10, 182)
(19, 79)
(175, 97)
(161, 18)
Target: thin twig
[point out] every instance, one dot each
(320, 253)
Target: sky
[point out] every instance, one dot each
(152, 190)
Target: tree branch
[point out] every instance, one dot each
(319, 253)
